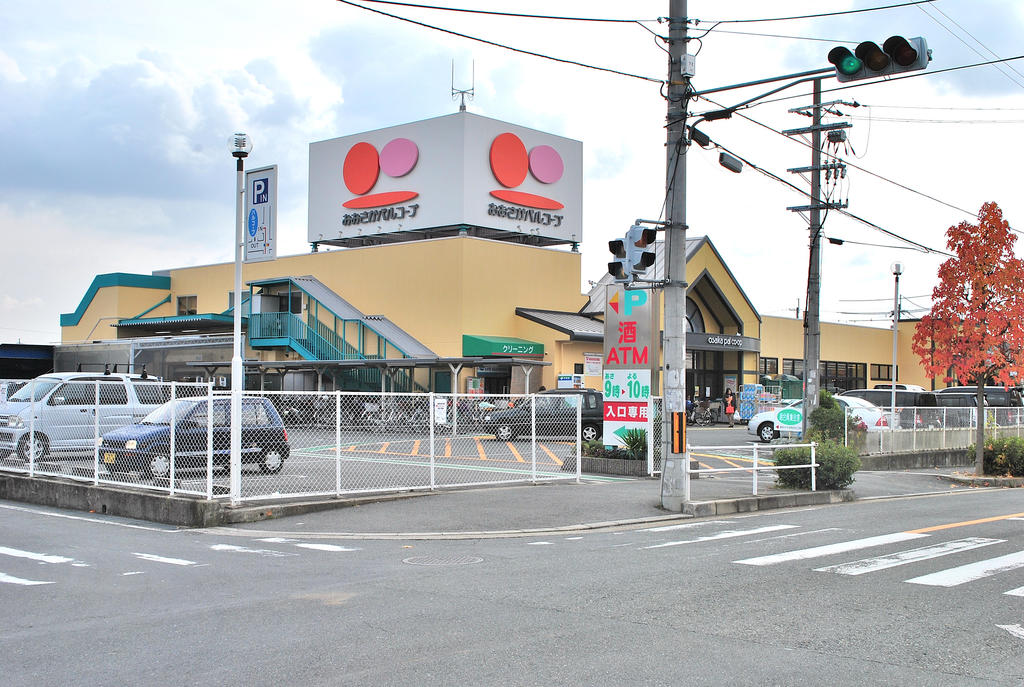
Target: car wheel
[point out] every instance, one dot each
(159, 464)
(40, 447)
(271, 462)
(590, 432)
(505, 432)
(766, 432)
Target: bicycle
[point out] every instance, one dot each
(702, 415)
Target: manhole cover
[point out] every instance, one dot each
(442, 560)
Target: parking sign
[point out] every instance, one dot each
(261, 214)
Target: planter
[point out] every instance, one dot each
(615, 466)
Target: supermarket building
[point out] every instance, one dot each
(460, 270)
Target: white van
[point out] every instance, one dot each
(65, 411)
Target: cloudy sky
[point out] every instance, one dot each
(115, 115)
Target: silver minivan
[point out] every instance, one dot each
(64, 412)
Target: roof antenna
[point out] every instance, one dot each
(456, 93)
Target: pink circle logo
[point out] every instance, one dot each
(510, 164)
(363, 165)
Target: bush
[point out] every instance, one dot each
(828, 422)
(635, 443)
(836, 465)
(596, 449)
(1002, 456)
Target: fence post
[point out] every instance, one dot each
(945, 427)
(432, 428)
(32, 431)
(209, 441)
(650, 436)
(96, 436)
(814, 469)
(755, 470)
(337, 442)
(579, 438)
(174, 430)
(533, 439)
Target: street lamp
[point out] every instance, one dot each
(897, 270)
(240, 145)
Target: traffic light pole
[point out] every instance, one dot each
(812, 319)
(675, 480)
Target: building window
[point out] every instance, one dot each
(840, 376)
(187, 305)
(793, 366)
(881, 372)
(769, 366)
(577, 368)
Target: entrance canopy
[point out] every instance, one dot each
(503, 346)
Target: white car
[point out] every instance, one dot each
(788, 420)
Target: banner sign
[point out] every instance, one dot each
(259, 233)
(630, 360)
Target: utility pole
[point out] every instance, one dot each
(675, 481)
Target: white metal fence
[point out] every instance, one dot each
(923, 429)
(175, 438)
(761, 460)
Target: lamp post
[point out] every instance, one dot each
(897, 270)
(240, 145)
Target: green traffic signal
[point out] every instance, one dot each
(845, 61)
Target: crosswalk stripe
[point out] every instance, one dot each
(1019, 591)
(723, 535)
(41, 557)
(683, 526)
(1015, 630)
(868, 565)
(829, 549)
(325, 547)
(243, 549)
(972, 571)
(11, 579)
(163, 559)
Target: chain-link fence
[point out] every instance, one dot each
(923, 429)
(176, 437)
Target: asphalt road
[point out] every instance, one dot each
(926, 590)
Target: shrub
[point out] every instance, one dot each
(596, 449)
(1002, 456)
(836, 465)
(827, 419)
(635, 443)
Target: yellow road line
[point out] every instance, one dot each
(936, 528)
(550, 454)
(515, 452)
(384, 446)
(447, 448)
(415, 447)
(480, 449)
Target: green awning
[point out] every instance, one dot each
(504, 346)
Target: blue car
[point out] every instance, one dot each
(146, 447)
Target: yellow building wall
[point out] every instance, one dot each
(707, 259)
(110, 304)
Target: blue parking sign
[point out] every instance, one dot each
(260, 191)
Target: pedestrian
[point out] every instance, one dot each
(730, 406)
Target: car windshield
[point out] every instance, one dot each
(41, 387)
(175, 409)
(857, 402)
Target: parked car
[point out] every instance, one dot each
(1006, 400)
(66, 412)
(556, 416)
(146, 447)
(10, 387)
(907, 401)
(788, 420)
(958, 409)
(899, 387)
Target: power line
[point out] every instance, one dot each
(507, 14)
(780, 35)
(500, 45)
(969, 46)
(813, 16)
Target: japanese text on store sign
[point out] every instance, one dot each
(626, 411)
(631, 388)
(381, 214)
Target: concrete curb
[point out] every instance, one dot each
(986, 481)
(747, 504)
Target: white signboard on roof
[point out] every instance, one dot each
(459, 170)
(259, 225)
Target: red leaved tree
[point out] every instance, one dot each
(976, 325)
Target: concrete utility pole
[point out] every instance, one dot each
(812, 320)
(675, 481)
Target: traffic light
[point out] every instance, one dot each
(897, 55)
(619, 267)
(637, 239)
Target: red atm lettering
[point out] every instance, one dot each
(626, 355)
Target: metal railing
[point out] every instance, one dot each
(756, 465)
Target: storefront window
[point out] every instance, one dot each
(769, 366)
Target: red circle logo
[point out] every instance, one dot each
(363, 165)
(510, 163)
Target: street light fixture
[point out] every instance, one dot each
(240, 146)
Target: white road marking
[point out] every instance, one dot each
(1015, 630)
(10, 579)
(829, 549)
(683, 526)
(538, 543)
(134, 572)
(573, 538)
(41, 557)
(278, 540)
(868, 565)
(728, 534)
(795, 534)
(243, 549)
(100, 521)
(972, 571)
(326, 547)
(161, 559)
(1019, 591)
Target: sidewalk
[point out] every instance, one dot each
(551, 507)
